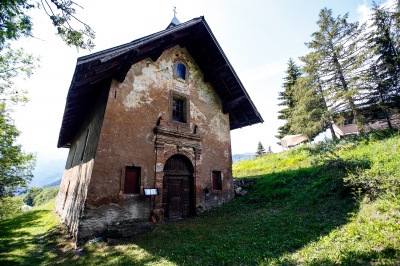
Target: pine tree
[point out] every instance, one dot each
(308, 115)
(396, 36)
(260, 150)
(311, 114)
(286, 96)
(396, 22)
(381, 93)
(269, 151)
(338, 44)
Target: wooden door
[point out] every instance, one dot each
(175, 210)
(178, 188)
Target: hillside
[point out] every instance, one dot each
(242, 157)
(333, 204)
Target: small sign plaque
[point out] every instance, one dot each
(150, 191)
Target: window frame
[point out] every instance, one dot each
(185, 122)
(178, 109)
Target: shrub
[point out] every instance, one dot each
(10, 207)
(382, 176)
(375, 135)
(46, 195)
(39, 196)
(374, 182)
(30, 196)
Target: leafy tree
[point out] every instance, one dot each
(10, 207)
(338, 44)
(29, 198)
(286, 96)
(15, 21)
(15, 165)
(381, 97)
(13, 64)
(38, 196)
(260, 149)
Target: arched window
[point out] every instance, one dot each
(181, 71)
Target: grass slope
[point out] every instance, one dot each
(298, 213)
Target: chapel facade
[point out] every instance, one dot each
(148, 126)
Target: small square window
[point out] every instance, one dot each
(217, 180)
(132, 180)
(179, 109)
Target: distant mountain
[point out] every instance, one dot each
(54, 184)
(47, 173)
(242, 157)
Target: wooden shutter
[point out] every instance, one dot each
(217, 182)
(131, 180)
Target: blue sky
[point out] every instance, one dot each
(257, 36)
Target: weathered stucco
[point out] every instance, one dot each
(72, 195)
(79, 165)
(137, 129)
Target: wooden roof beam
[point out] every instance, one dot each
(163, 45)
(126, 64)
(225, 86)
(98, 69)
(213, 72)
(227, 107)
(91, 80)
(234, 117)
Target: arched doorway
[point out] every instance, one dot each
(178, 188)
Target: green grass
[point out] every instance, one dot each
(299, 212)
(33, 238)
(292, 160)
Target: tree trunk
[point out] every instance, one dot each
(345, 88)
(326, 108)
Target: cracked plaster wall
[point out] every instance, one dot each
(127, 138)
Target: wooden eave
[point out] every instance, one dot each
(114, 63)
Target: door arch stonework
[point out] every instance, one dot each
(171, 143)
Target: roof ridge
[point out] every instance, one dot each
(117, 50)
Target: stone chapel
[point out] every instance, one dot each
(147, 125)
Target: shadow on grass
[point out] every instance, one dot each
(387, 256)
(22, 243)
(13, 237)
(282, 213)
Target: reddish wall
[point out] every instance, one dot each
(133, 134)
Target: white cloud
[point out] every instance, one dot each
(364, 12)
